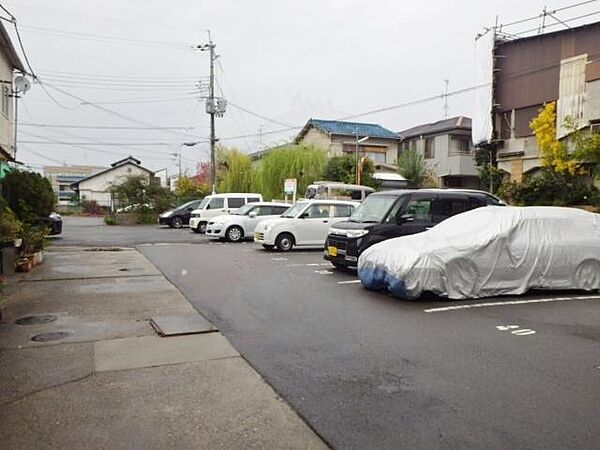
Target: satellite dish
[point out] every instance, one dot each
(22, 84)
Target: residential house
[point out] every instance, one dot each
(9, 63)
(96, 187)
(447, 150)
(563, 66)
(62, 178)
(375, 142)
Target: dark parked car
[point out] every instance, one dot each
(53, 222)
(179, 216)
(390, 214)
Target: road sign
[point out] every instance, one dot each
(289, 186)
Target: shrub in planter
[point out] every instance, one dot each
(28, 194)
(110, 220)
(10, 226)
(33, 238)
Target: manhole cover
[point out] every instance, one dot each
(54, 336)
(35, 320)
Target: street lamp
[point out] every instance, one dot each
(359, 141)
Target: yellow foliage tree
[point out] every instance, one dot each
(187, 188)
(555, 154)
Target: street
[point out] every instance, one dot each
(368, 371)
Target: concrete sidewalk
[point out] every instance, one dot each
(99, 376)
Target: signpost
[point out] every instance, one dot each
(290, 186)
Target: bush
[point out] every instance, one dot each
(29, 195)
(343, 169)
(548, 188)
(10, 226)
(33, 238)
(110, 220)
(92, 208)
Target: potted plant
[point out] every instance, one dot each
(10, 228)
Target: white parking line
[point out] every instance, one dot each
(349, 282)
(516, 302)
(308, 265)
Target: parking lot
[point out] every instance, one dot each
(366, 370)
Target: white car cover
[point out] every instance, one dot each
(496, 250)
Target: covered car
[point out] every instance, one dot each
(488, 252)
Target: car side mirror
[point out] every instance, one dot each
(253, 214)
(406, 218)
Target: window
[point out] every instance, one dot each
(235, 202)
(420, 209)
(5, 99)
(317, 212)
(216, 203)
(64, 188)
(279, 209)
(263, 211)
(378, 157)
(253, 199)
(429, 148)
(448, 207)
(342, 210)
(459, 145)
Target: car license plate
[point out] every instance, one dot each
(332, 251)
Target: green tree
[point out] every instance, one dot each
(586, 148)
(412, 167)
(29, 195)
(189, 188)
(142, 190)
(236, 173)
(343, 169)
(303, 162)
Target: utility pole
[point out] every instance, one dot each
(214, 107)
(446, 81)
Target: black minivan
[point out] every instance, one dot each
(390, 214)
(179, 216)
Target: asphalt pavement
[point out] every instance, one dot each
(369, 371)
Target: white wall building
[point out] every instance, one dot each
(97, 186)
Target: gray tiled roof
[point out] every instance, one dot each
(454, 123)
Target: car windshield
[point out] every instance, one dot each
(203, 203)
(293, 211)
(185, 205)
(244, 210)
(373, 209)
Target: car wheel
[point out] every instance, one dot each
(201, 228)
(268, 247)
(341, 267)
(234, 234)
(176, 222)
(587, 275)
(284, 242)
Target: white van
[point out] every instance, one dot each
(333, 190)
(217, 204)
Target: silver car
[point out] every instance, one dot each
(240, 224)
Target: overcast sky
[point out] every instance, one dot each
(284, 60)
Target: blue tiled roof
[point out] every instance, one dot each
(352, 128)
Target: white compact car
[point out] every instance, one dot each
(216, 205)
(498, 250)
(304, 224)
(240, 224)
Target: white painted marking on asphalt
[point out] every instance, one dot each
(523, 332)
(349, 282)
(279, 259)
(324, 272)
(308, 265)
(184, 272)
(516, 302)
(506, 327)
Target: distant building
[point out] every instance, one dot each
(62, 177)
(447, 150)
(9, 63)
(527, 73)
(97, 186)
(377, 143)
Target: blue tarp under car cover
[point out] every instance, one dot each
(490, 251)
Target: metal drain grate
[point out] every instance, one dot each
(36, 319)
(54, 336)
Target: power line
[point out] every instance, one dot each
(583, 16)
(252, 113)
(97, 127)
(107, 38)
(109, 144)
